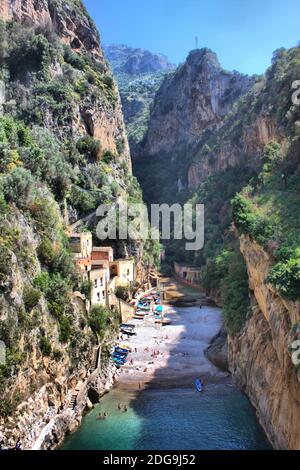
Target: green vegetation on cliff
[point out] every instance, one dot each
(53, 171)
(258, 190)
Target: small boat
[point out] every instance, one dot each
(142, 312)
(144, 306)
(121, 350)
(127, 329)
(119, 354)
(119, 357)
(199, 385)
(119, 361)
(166, 321)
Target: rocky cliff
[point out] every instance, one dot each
(190, 106)
(260, 356)
(98, 114)
(194, 100)
(63, 151)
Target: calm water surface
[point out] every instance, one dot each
(172, 419)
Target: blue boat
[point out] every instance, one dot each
(199, 385)
(144, 306)
(119, 361)
(119, 356)
(121, 350)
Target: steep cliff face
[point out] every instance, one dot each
(189, 108)
(247, 151)
(260, 356)
(194, 100)
(96, 114)
(63, 151)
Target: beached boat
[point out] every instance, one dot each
(125, 346)
(119, 361)
(166, 321)
(198, 385)
(142, 312)
(144, 306)
(121, 350)
(128, 330)
(159, 309)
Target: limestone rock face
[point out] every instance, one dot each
(247, 152)
(70, 21)
(217, 352)
(193, 100)
(260, 358)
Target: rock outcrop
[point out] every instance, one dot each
(194, 100)
(260, 356)
(217, 352)
(69, 20)
(189, 108)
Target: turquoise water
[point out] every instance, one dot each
(172, 419)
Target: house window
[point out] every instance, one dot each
(101, 281)
(103, 294)
(128, 272)
(95, 282)
(98, 296)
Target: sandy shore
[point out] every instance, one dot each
(180, 347)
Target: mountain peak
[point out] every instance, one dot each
(125, 59)
(203, 56)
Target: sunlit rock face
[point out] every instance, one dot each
(260, 356)
(195, 99)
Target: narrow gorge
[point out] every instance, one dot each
(82, 125)
(232, 142)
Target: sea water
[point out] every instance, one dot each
(172, 419)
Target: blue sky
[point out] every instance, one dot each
(243, 33)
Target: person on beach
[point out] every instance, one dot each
(2, 446)
(125, 409)
(18, 445)
(200, 306)
(120, 406)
